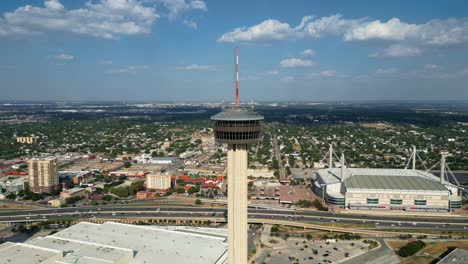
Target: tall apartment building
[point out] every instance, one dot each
(160, 183)
(43, 175)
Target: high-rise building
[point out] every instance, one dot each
(43, 175)
(237, 126)
(161, 183)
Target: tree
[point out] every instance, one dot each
(193, 190)
(11, 196)
(198, 202)
(180, 190)
(127, 164)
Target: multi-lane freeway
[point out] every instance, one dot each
(255, 214)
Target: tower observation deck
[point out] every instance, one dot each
(237, 126)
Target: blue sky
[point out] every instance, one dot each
(158, 50)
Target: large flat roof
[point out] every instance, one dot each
(18, 253)
(151, 245)
(77, 250)
(382, 179)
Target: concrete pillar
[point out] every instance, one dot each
(237, 204)
(330, 157)
(342, 166)
(414, 157)
(442, 169)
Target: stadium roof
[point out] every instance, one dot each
(382, 179)
(392, 183)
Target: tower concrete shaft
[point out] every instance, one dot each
(237, 203)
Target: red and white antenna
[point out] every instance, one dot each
(237, 76)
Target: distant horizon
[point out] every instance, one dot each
(463, 101)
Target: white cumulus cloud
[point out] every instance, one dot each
(432, 67)
(108, 19)
(308, 53)
(398, 50)
(176, 8)
(401, 38)
(129, 69)
(198, 67)
(63, 57)
(295, 63)
(386, 71)
(322, 74)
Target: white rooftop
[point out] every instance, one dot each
(152, 245)
(18, 253)
(112, 243)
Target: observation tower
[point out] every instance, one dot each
(237, 126)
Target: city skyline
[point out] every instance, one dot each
(158, 50)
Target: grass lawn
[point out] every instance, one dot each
(394, 244)
(433, 251)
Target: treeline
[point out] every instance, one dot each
(411, 248)
(128, 190)
(316, 203)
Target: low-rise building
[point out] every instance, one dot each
(82, 177)
(73, 192)
(147, 159)
(26, 140)
(266, 190)
(14, 184)
(115, 243)
(146, 195)
(57, 202)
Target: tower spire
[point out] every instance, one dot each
(237, 76)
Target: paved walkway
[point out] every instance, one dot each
(266, 238)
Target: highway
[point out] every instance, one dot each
(255, 215)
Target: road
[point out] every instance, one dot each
(281, 170)
(382, 255)
(315, 217)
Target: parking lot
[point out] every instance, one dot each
(303, 251)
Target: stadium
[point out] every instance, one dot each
(386, 189)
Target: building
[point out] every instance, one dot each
(43, 175)
(115, 243)
(457, 256)
(160, 183)
(14, 184)
(147, 159)
(266, 190)
(26, 140)
(73, 192)
(56, 202)
(385, 189)
(82, 177)
(145, 195)
(237, 127)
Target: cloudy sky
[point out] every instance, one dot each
(158, 50)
